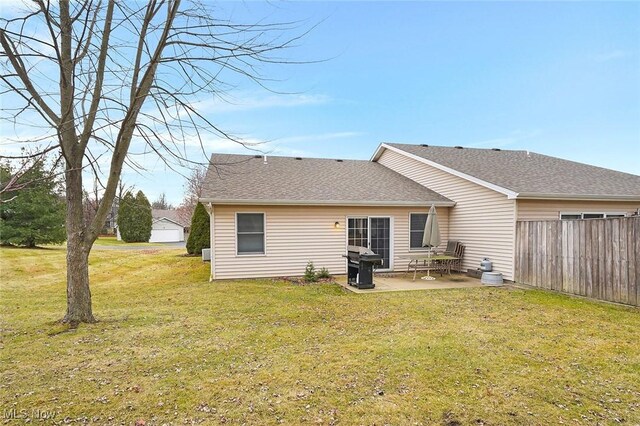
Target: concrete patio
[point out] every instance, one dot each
(404, 282)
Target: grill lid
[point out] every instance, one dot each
(359, 250)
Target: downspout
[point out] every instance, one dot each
(514, 234)
(211, 232)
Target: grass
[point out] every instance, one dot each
(172, 348)
(113, 241)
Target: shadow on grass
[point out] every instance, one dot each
(12, 247)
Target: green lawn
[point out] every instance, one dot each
(113, 241)
(172, 348)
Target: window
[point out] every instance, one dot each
(592, 215)
(573, 216)
(250, 233)
(358, 231)
(417, 221)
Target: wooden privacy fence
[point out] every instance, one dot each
(596, 258)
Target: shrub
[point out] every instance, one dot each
(323, 274)
(310, 273)
(199, 236)
(134, 218)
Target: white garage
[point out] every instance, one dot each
(165, 228)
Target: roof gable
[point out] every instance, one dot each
(524, 174)
(170, 215)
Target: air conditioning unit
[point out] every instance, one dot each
(206, 255)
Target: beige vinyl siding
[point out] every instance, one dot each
(551, 209)
(482, 219)
(297, 234)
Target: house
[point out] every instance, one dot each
(167, 227)
(270, 215)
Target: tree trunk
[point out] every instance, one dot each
(78, 292)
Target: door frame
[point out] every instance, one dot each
(391, 236)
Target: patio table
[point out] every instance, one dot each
(441, 261)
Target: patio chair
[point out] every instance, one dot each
(456, 265)
(452, 246)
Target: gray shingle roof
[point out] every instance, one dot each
(531, 174)
(172, 215)
(287, 180)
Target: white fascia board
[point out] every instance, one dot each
(379, 150)
(578, 197)
(327, 203)
(509, 193)
(167, 219)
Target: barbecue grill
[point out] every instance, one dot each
(360, 263)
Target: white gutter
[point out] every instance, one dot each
(327, 203)
(577, 197)
(509, 193)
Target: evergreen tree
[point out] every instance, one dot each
(134, 218)
(35, 213)
(126, 221)
(199, 236)
(144, 217)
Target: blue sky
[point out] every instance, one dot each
(561, 79)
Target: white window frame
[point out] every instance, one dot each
(391, 218)
(421, 249)
(604, 214)
(391, 265)
(346, 230)
(264, 235)
(570, 213)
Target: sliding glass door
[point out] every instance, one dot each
(373, 233)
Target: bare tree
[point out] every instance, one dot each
(161, 203)
(23, 164)
(192, 192)
(103, 75)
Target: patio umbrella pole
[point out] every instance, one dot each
(431, 237)
(428, 277)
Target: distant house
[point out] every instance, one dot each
(167, 227)
(270, 215)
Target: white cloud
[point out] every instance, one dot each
(610, 55)
(320, 137)
(515, 138)
(494, 143)
(14, 8)
(245, 102)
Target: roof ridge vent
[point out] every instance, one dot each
(496, 149)
(340, 161)
(425, 145)
(298, 158)
(257, 156)
(458, 147)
